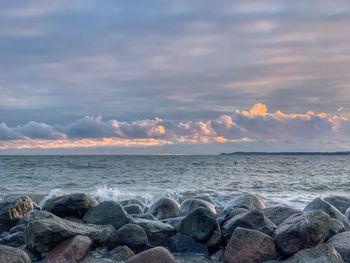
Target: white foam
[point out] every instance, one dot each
(53, 193)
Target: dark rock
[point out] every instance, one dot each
(249, 246)
(254, 220)
(133, 209)
(164, 208)
(13, 255)
(132, 202)
(130, 235)
(72, 250)
(154, 255)
(228, 212)
(157, 232)
(13, 239)
(145, 216)
(107, 213)
(191, 204)
(347, 213)
(277, 214)
(18, 228)
(121, 253)
(340, 202)
(181, 243)
(199, 224)
(13, 209)
(215, 240)
(335, 227)
(45, 230)
(204, 197)
(341, 242)
(174, 222)
(301, 231)
(69, 205)
(247, 201)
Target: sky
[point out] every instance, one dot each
(174, 77)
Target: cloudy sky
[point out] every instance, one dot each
(182, 76)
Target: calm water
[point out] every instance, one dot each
(292, 180)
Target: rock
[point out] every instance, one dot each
(93, 259)
(181, 243)
(130, 235)
(133, 209)
(218, 256)
(72, 250)
(277, 214)
(319, 204)
(121, 253)
(199, 224)
(215, 240)
(154, 255)
(13, 209)
(45, 230)
(191, 204)
(107, 213)
(13, 255)
(320, 254)
(341, 242)
(164, 208)
(249, 246)
(347, 213)
(247, 201)
(228, 212)
(18, 228)
(132, 202)
(340, 202)
(157, 232)
(13, 239)
(145, 216)
(69, 205)
(335, 227)
(204, 197)
(254, 220)
(174, 222)
(301, 231)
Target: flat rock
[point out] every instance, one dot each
(341, 242)
(181, 243)
(164, 208)
(277, 214)
(13, 255)
(191, 204)
(153, 255)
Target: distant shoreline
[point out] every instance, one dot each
(287, 153)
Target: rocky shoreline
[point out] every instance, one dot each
(77, 228)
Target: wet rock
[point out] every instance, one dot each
(277, 214)
(154, 255)
(164, 208)
(249, 246)
(69, 205)
(347, 214)
(174, 222)
(335, 227)
(45, 230)
(340, 202)
(145, 216)
(13, 255)
(181, 243)
(228, 212)
(121, 253)
(107, 213)
(13, 239)
(12, 209)
(130, 235)
(157, 232)
(199, 224)
(215, 240)
(341, 242)
(247, 201)
(254, 220)
(72, 250)
(204, 197)
(132, 202)
(133, 209)
(301, 231)
(18, 228)
(191, 204)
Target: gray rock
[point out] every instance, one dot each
(164, 208)
(204, 197)
(249, 246)
(132, 202)
(341, 242)
(191, 204)
(174, 222)
(13, 255)
(181, 243)
(13, 209)
(301, 231)
(247, 201)
(18, 228)
(145, 216)
(340, 202)
(133, 209)
(107, 213)
(277, 214)
(347, 214)
(253, 219)
(154, 255)
(335, 227)
(13, 239)
(70, 205)
(45, 230)
(228, 212)
(121, 253)
(199, 224)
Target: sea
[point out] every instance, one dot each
(291, 180)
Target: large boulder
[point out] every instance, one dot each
(335, 227)
(191, 204)
(154, 255)
(181, 243)
(45, 230)
(277, 214)
(340, 202)
(301, 231)
(254, 220)
(13, 255)
(228, 212)
(319, 204)
(247, 201)
(164, 208)
(133, 209)
(249, 246)
(121, 253)
(70, 205)
(107, 213)
(13, 209)
(157, 232)
(72, 250)
(341, 242)
(199, 224)
(132, 236)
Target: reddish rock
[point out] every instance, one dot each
(72, 250)
(13, 255)
(154, 255)
(249, 246)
